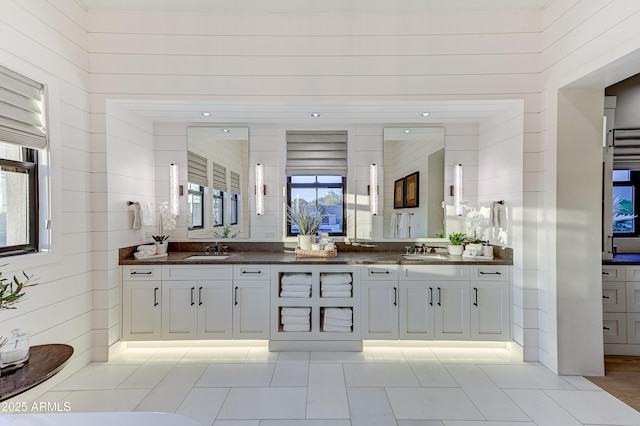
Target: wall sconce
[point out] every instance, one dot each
(458, 188)
(373, 189)
(175, 189)
(261, 189)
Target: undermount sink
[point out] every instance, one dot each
(427, 256)
(206, 257)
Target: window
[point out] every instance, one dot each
(217, 208)
(195, 199)
(625, 207)
(22, 138)
(324, 193)
(233, 200)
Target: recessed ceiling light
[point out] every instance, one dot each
(226, 130)
(205, 114)
(425, 114)
(407, 130)
(315, 114)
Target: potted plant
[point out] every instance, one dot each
(14, 349)
(167, 222)
(12, 290)
(456, 239)
(308, 221)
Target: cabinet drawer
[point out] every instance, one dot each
(489, 272)
(633, 296)
(141, 273)
(380, 273)
(613, 273)
(614, 328)
(251, 272)
(434, 272)
(614, 297)
(196, 272)
(633, 328)
(632, 273)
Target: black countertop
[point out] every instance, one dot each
(289, 258)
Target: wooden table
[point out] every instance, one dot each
(44, 362)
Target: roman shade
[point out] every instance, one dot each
(218, 177)
(22, 118)
(197, 169)
(234, 182)
(315, 153)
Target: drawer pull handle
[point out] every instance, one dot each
(199, 296)
(490, 273)
(192, 290)
(395, 296)
(439, 296)
(605, 297)
(379, 273)
(251, 272)
(606, 328)
(140, 273)
(235, 296)
(605, 273)
(430, 296)
(475, 289)
(155, 296)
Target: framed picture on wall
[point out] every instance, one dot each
(398, 194)
(411, 185)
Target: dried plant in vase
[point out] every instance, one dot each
(12, 290)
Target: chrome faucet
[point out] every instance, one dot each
(215, 248)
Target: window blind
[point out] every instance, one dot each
(218, 177)
(315, 153)
(22, 120)
(197, 169)
(234, 182)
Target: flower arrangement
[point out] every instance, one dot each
(225, 232)
(457, 238)
(12, 290)
(306, 219)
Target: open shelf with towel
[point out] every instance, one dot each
(325, 318)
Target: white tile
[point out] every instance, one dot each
(595, 407)
(215, 354)
(264, 403)
(481, 423)
(229, 375)
(97, 376)
(492, 402)
(420, 423)
(303, 423)
(134, 356)
(432, 404)
(294, 356)
(172, 389)
(291, 373)
(419, 354)
(379, 375)
(526, 376)
(540, 408)
(370, 407)
(203, 404)
(146, 376)
(261, 354)
(326, 393)
(581, 383)
(432, 374)
(105, 400)
(237, 423)
(342, 357)
(468, 355)
(382, 354)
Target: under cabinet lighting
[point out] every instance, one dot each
(261, 189)
(373, 189)
(174, 189)
(457, 188)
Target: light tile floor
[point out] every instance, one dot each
(401, 386)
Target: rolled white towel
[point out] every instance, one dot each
(338, 313)
(346, 293)
(338, 322)
(292, 278)
(295, 320)
(295, 294)
(337, 328)
(295, 312)
(335, 287)
(296, 327)
(147, 247)
(336, 278)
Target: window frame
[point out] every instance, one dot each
(634, 183)
(191, 193)
(318, 185)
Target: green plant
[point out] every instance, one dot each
(441, 234)
(12, 290)
(457, 238)
(305, 218)
(225, 232)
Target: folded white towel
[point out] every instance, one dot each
(296, 327)
(296, 287)
(147, 247)
(337, 328)
(335, 287)
(292, 278)
(295, 312)
(295, 294)
(346, 293)
(338, 313)
(146, 254)
(146, 214)
(137, 221)
(335, 278)
(338, 322)
(296, 320)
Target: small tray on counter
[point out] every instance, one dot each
(316, 253)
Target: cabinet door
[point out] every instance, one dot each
(214, 309)
(489, 311)
(451, 310)
(614, 296)
(633, 296)
(251, 305)
(614, 327)
(141, 310)
(416, 310)
(379, 310)
(179, 309)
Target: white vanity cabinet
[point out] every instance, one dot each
(197, 302)
(614, 305)
(490, 302)
(251, 303)
(380, 300)
(141, 303)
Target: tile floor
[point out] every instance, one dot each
(402, 386)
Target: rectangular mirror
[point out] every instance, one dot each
(218, 181)
(413, 182)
